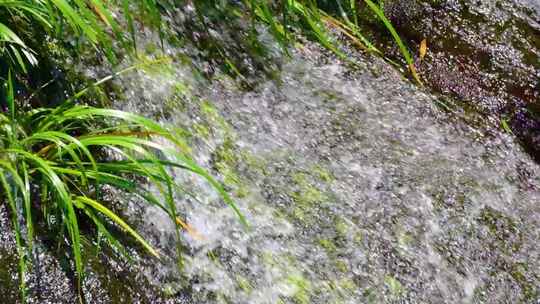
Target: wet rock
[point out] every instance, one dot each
(358, 189)
(486, 54)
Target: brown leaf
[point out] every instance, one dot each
(423, 49)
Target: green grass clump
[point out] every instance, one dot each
(105, 25)
(90, 21)
(55, 163)
(314, 18)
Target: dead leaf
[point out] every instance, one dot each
(423, 49)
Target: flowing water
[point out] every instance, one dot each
(358, 186)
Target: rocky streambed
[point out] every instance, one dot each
(359, 187)
(484, 54)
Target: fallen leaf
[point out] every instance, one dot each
(423, 49)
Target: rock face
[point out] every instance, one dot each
(484, 53)
(359, 187)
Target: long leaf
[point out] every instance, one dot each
(404, 50)
(115, 218)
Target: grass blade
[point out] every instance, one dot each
(112, 216)
(404, 50)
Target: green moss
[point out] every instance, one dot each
(404, 238)
(342, 228)
(529, 290)
(178, 100)
(303, 289)
(222, 298)
(268, 259)
(306, 197)
(299, 179)
(329, 96)
(279, 214)
(342, 266)
(168, 290)
(308, 193)
(201, 130)
(285, 262)
(370, 294)
(241, 191)
(347, 284)
(301, 215)
(114, 286)
(244, 284)
(323, 174)
(328, 245)
(358, 238)
(211, 114)
(213, 256)
(339, 290)
(227, 157)
(225, 153)
(254, 162)
(226, 160)
(503, 228)
(395, 287)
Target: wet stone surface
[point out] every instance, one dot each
(484, 53)
(357, 186)
(49, 278)
(357, 189)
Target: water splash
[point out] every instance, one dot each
(356, 188)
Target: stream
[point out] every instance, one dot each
(358, 186)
